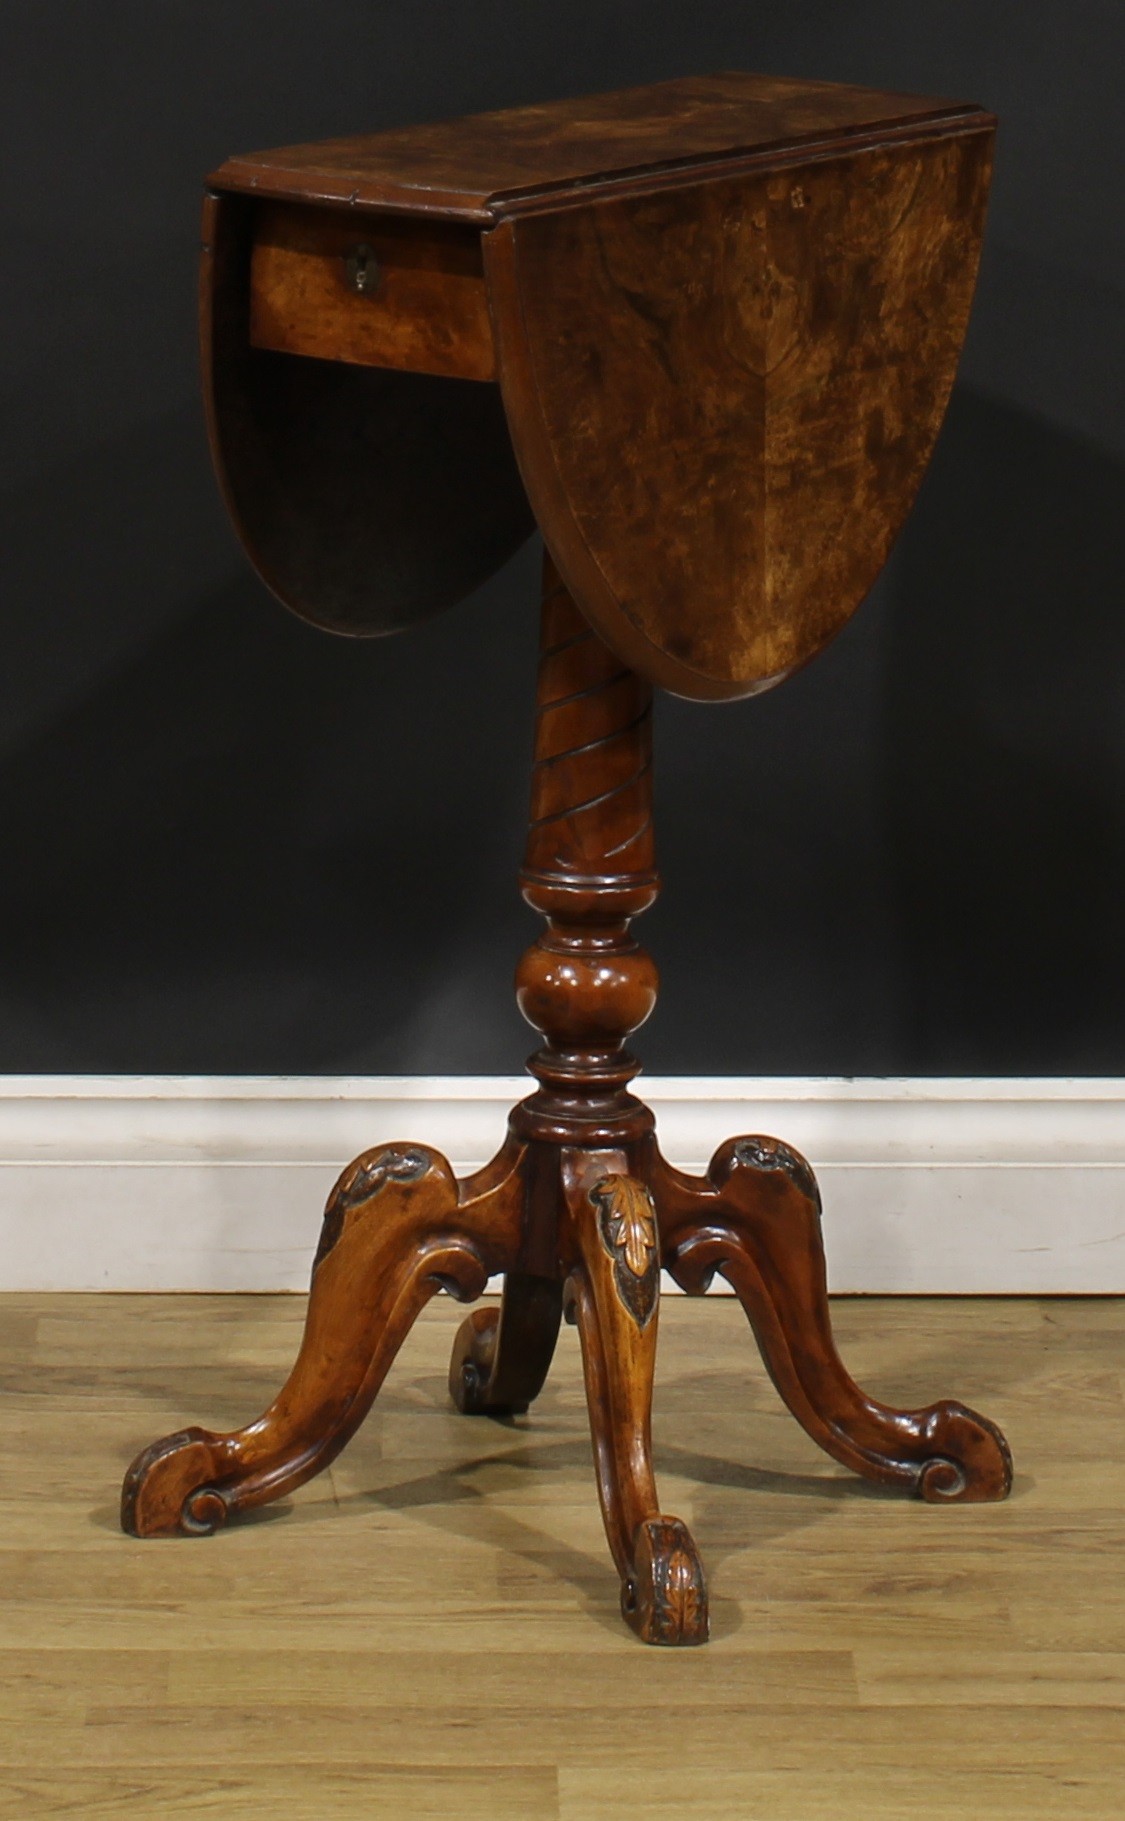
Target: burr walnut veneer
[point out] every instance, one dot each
(703, 335)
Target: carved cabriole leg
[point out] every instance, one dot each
(756, 1219)
(613, 1293)
(397, 1228)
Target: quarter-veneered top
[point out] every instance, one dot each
(484, 165)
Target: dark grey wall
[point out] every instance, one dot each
(227, 837)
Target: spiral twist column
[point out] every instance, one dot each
(587, 983)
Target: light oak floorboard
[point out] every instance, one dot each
(430, 1629)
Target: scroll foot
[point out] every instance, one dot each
(501, 1357)
(756, 1219)
(665, 1597)
(396, 1230)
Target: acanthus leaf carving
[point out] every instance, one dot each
(362, 1180)
(758, 1153)
(627, 1226)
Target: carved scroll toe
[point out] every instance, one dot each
(471, 1362)
(971, 1462)
(170, 1488)
(501, 1357)
(664, 1599)
(397, 1228)
(756, 1218)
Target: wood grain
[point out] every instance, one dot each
(426, 313)
(725, 315)
(723, 397)
(613, 1290)
(578, 1209)
(365, 498)
(398, 1227)
(472, 167)
(755, 1217)
(429, 1627)
(724, 352)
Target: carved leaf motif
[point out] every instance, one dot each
(681, 1603)
(633, 1234)
(766, 1154)
(669, 1594)
(627, 1223)
(391, 1165)
(360, 1182)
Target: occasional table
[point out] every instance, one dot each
(702, 334)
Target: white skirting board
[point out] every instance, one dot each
(217, 1183)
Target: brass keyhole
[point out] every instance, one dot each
(362, 269)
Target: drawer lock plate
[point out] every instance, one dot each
(362, 270)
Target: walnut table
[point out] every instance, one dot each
(702, 334)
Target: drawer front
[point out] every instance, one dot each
(370, 289)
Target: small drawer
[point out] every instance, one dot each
(375, 290)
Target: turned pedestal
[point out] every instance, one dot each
(703, 334)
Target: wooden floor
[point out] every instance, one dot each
(431, 1629)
